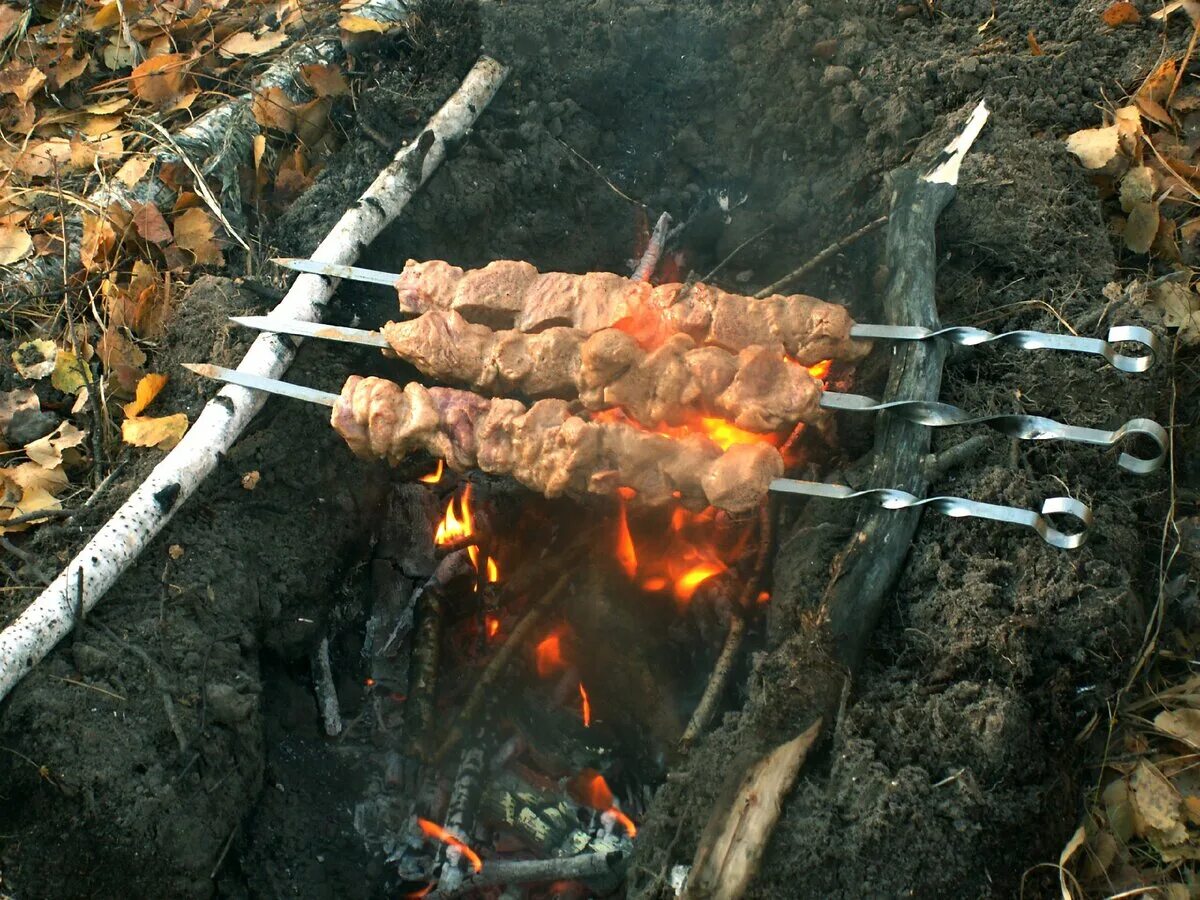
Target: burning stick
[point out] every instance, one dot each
(460, 814)
(584, 867)
(427, 643)
(327, 697)
(654, 248)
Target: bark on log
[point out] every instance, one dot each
(119, 541)
(867, 567)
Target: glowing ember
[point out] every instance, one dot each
(623, 820)
(626, 553)
(655, 583)
(458, 522)
(586, 706)
(493, 571)
(491, 625)
(686, 584)
(821, 369)
(725, 434)
(435, 476)
(764, 597)
(549, 656)
(437, 832)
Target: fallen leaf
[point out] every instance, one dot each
(15, 244)
(117, 53)
(1120, 13)
(97, 243)
(1137, 186)
(35, 359)
(1156, 804)
(325, 80)
(133, 169)
(148, 388)
(117, 351)
(44, 158)
(160, 78)
(1153, 110)
(21, 80)
(1180, 307)
(1034, 47)
(108, 106)
(1095, 147)
(1141, 227)
(163, 433)
(312, 120)
(85, 154)
(67, 69)
(251, 479)
(10, 20)
(99, 126)
(195, 231)
(272, 108)
(31, 488)
(246, 44)
(48, 451)
(68, 375)
(1192, 804)
(106, 16)
(1078, 839)
(175, 551)
(1158, 83)
(362, 25)
(150, 223)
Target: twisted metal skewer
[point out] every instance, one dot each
(1016, 425)
(958, 507)
(966, 336)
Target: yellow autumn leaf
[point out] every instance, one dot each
(147, 389)
(195, 231)
(68, 374)
(48, 451)
(163, 433)
(361, 25)
(246, 44)
(15, 244)
(133, 169)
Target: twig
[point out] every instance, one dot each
(591, 165)
(936, 466)
(1187, 58)
(24, 555)
(120, 540)
(160, 682)
(40, 515)
(91, 687)
(734, 252)
(583, 867)
(327, 697)
(500, 661)
(460, 814)
(654, 248)
(822, 257)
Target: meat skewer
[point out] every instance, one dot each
(757, 390)
(513, 294)
(547, 449)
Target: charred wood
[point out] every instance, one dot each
(590, 867)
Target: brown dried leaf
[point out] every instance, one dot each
(21, 80)
(1095, 147)
(115, 350)
(195, 231)
(325, 80)
(159, 79)
(10, 21)
(147, 389)
(1156, 804)
(48, 451)
(246, 44)
(163, 433)
(1120, 13)
(108, 15)
(15, 244)
(1158, 83)
(66, 70)
(133, 169)
(251, 479)
(84, 154)
(362, 25)
(312, 120)
(108, 106)
(1153, 110)
(1181, 309)
(1141, 227)
(1137, 186)
(30, 488)
(150, 223)
(43, 159)
(97, 243)
(1035, 48)
(272, 108)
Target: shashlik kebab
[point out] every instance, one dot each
(550, 451)
(759, 389)
(513, 294)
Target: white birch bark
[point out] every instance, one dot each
(119, 541)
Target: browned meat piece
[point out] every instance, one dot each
(759, 389)
(549, 450)
(512, 294)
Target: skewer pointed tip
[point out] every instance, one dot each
(205, 369)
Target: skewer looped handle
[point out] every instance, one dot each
(966, 336)
(958, 507)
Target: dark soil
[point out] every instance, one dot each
(954, 770)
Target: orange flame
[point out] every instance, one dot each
(590, 789)
(586, 706)
(437, 832)
(436, 475)
(458, 522)
(821, 369)
(491, 625)
(687, 583)
(549, 656)
(492, 570)
(626, 553)
(726, 434)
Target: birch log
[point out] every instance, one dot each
(119, 541)
(219, 143)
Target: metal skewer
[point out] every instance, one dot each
(962, 335)
(932, 414)
(956, 507)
